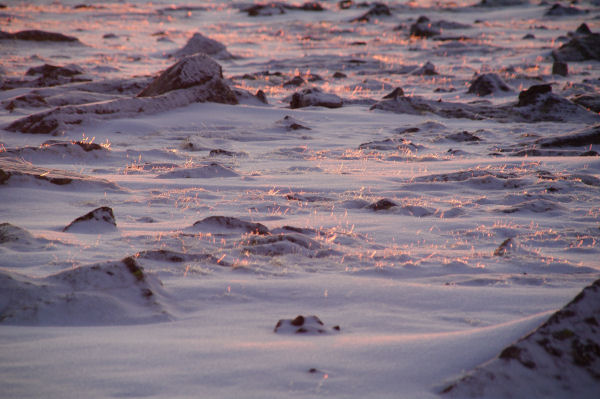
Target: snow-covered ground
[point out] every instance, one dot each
(159, 237)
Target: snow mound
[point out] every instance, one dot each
(561, 358)
(306, 325)
(202, 172)
(112, 293)
(17, 238)
(488, 83)
(228, 224)
(315, 97)
(17, 172)
(199, 43)
(100, 220)
(285, 244)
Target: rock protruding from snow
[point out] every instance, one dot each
(382, 204)
(199, 43)
(315, 97)
(488, 83)
(583, 46)
(561, 358)
(38, 36)
(228, 224)
(195, 70)
(192, 79)
(427, 69)
(309, 325)
(100, 220)
(376, 10)
(112, 293)
(558, 10)
(560, 68)
(424, 28)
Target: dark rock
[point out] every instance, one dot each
(516, 353)
(463, 136)
(529, 36)
(533, 94)
(199, 43)
(110, 36)
(220, 152)
(101, 219)
(315, 97)
(345, 4)
(558, 10)
(428, 69)
(560, 68)
(377, 9)
(423, 28)
(583, 29)
(195, 70)
(264, 10)
(303, 325)
(502, 3)
(53, 71)
(580, 48)
(311, 6)
(486, 84)
(382, 204)
(261, 96)
(295, 81)
(38, 36)
(397, 92)
(290, 123)
(136, 270)
(339, 75)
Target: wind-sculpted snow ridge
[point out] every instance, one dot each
(196, 78)
(561, 358)
(111, 293)
(14, 171)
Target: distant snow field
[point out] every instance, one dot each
(334, 199)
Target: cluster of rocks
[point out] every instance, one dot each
(309, 325)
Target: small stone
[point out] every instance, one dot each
(397, 92)
(560, 68)
(532, 95)
(382, 204)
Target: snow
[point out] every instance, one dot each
(167, 245)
